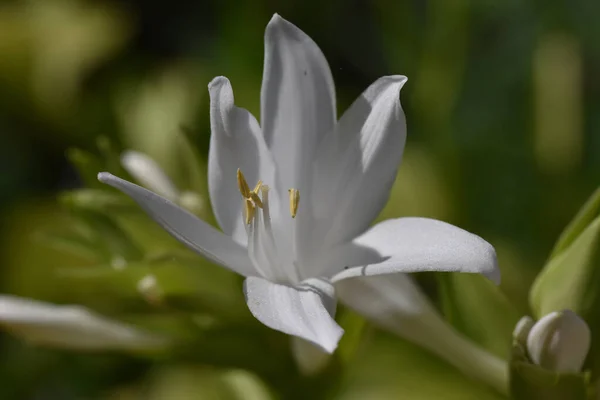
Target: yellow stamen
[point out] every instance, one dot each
(294, 200)
(243, 185)
(249, 210)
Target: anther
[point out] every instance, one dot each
(243, 185)
(256, 199)
(294, 200)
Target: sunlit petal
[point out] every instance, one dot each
(422, 244)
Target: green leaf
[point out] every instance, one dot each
(531, 382)
(570, 281)
(112, 241)
(182, 286)
(70, 242)
(110, 155)
(585, 216)
(478, 308)
(100, 200)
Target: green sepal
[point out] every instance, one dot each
(585, 216)
(532, 382)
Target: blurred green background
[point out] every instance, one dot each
(503, 113)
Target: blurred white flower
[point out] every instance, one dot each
(560, 341)
(71, 327)
(309, 229)
(149, 174)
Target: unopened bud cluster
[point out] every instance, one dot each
(559, 341)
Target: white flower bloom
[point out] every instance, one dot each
(560, 341)
(70, 327)
(327, 181)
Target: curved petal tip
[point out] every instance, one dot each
(105, 177)
(218, 81)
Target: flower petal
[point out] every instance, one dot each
(236, 142)
(186, 227)
(72, 327)
(297, 100)
(422, 244)
(357, 162)
(149, 174)
(305, 311)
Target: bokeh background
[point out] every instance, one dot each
(503, 111)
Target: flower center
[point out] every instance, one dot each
(262, 246)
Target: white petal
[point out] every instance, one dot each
(357, 162)
(149, 174)
(71, 327)
(297, 100)
(186, 227)
(236, 142)
(305, 311)
(422, 244)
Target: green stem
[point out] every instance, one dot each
(437, 336)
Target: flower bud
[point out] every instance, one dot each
(192, 202)
(149, 174)
(149, 288)
(560, 341)
(522, 329)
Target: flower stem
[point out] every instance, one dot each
(437, 336)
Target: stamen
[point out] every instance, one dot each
(258, 186)
(243, 185)
(294, 200)
(249, 210)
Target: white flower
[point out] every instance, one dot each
(327, 181)
(559, 341)
(149, 174)
(70, 327)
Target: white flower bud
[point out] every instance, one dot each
(149, 174)
(149, 288)
(522, 329)
(560, 341)
(71, 327)
(192, 202)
